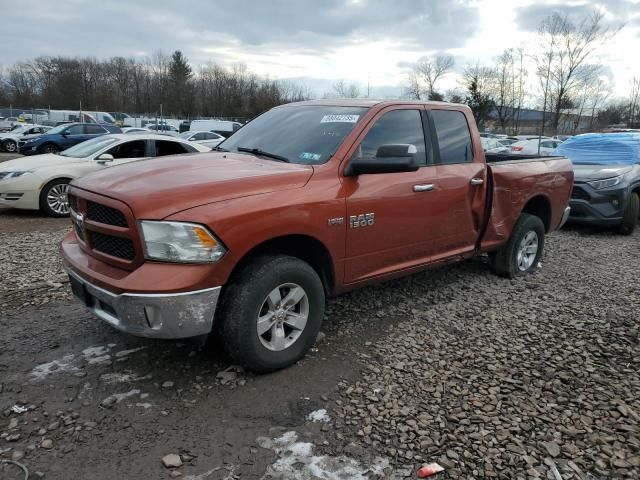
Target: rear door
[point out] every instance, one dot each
(458, 200)
(389, 223)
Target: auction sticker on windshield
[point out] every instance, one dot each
(340, 119)
(310, 156)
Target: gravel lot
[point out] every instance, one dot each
(491, 378)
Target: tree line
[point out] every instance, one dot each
(132, 85)
(560, 74)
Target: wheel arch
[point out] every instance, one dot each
(302, 246)
(540, 206)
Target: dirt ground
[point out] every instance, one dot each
(388, 386)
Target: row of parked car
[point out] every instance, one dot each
(521, 144)
(60, 154)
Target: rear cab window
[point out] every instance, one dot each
(452, 143)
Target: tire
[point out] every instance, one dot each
(508, 262)
(49, 148)
(10, 146)
(630, 216)
(55, 189)
(250, 294)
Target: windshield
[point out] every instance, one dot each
(88, 148)
(59, 128)
(21, 129)
(306, 134)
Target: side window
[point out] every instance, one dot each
(75, 130)
(209, 136)
(94, 129)
(454, 137)
(134, 149)
(395, 127)
(198, 136)
(164, 147)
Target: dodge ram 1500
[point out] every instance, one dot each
(306, 201)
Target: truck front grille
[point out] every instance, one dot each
(115, 246)
(106, 229)
(580, 194)
(107, 215)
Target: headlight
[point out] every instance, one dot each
(180, 242)
(606, 183)
(7, 175)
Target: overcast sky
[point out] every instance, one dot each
(314, 42)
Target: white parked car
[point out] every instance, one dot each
(41, 181)
(208, 139)
(9, 140)
(135, 130)
(530, 147)
(493, 145)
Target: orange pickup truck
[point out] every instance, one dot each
(306, 201)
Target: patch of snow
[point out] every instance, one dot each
(122, 396)
(297, 462)
(319, 416)
(65, 364)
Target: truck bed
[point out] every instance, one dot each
(514, 182)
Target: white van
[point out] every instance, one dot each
(222, 127)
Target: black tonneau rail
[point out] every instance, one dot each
(506, 158)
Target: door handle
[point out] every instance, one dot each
(477, 181)
(423, 188)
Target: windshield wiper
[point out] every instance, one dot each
(219, 149)
(257, 151)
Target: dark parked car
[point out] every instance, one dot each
(65, 136)
(606, 191)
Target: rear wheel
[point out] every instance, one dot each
(10, 146)
(53, 198)
(49, 148)
(630, 216)
(523, 250)
(271, 313)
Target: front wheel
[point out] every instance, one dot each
(49, 148)
(271, 313)
(523, 250)
(631, 214)
(53, 198)
(10, 146)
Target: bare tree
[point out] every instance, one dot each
(413, 88)
(342, 89)
(429, 70)
(566, 60)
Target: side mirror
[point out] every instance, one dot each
(105, 158)
(389, 159)
(65, 134)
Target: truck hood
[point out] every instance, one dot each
(38, 161)
(584, 173)
(159, 187)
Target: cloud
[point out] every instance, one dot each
(204, 30)
(616, 12)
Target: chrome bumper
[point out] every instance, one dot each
(164, 315)
(565, 217)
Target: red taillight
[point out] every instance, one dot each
(516, 149)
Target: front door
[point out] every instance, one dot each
(383, 230)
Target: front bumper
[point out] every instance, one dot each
(19, 198)
(597, 207)
(163, 315)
